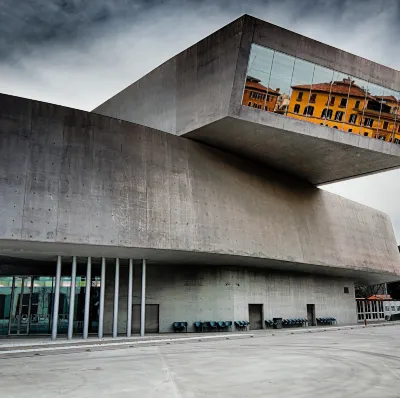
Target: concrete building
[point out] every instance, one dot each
(179, 203)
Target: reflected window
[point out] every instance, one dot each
(296, 108)
(368, 122)
(326, 114)
(249, 104)
(343, 103)
(313, 98)
(300, 96)
(366, 134)
(385, 125)
(357, 105)
(353, 118)
(350, 130)
(308, 110)
(339, 116)
(332, 101)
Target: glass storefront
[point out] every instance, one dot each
(283, 84)
(26, 304)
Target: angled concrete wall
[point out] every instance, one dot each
(72, 177)
(186, 92)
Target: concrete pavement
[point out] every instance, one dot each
(349, 362)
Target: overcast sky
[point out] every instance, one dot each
(78, 53)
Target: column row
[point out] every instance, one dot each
(100, 301)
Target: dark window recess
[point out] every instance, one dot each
(300, 96)
(385, 125)
(368, 122)
(343, 102)
(296, 108)
(249, 104)
(353, 118)
(326, 114)
(308, 110)
(346, 290)
(313, 98)
(332, 101)
(268, 98)
(366, 134)
(357, 105)
(350, 130)
(339, 116)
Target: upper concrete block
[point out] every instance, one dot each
(200, 92)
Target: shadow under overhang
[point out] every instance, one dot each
(317, 154)
(25, 254)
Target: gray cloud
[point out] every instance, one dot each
(78, 53)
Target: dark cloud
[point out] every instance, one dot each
(27, 23)
(78, 53)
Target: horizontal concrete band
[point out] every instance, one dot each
(74, 177)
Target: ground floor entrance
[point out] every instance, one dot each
(26, 304)
(311, 315)
(255, 316)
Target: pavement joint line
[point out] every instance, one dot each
(122, 343)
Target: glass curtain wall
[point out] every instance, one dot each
(26, 304)
(279, 83)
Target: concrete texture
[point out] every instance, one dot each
(223, 294)
(75, 183)
(315, 153)
(198, 94)
(338, 364)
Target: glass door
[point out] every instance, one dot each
(21, 298)
(41, 305)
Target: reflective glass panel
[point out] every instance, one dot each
(257, 80)
(5, 301)
(320, 94)
(279, 83)
(300, 89)
(41, 305)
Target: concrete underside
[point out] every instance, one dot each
(332, 364)
(311, 152)
(76, 183)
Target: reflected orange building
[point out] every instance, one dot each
(346, 106)
(258, 96)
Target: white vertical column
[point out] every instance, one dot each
(116, 294)
(102, 289)
(143, 300)
(129, 317)
(56, 299)
(72, 300)
(87, 298)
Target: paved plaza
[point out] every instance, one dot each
(336, 363)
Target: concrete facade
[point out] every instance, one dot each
(110, 183)
(219, 228)
(207, 293)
